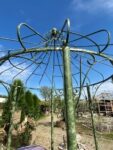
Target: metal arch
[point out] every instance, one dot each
(66, 24)
(13, 54)
(18, 53)
(21, 38)
(87, 37)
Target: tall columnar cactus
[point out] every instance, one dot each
(14, 100)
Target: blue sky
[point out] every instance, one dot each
(86, 16)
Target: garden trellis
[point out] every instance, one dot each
(64, 60)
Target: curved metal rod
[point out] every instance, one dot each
(36, 68)
(97, 82)
(88, 60)
(45, 68)
(82, 84)
(19, 35)
(12, 67)
(73, 77)
(36, 50)
(93, 59)
(46, 64)
(33, 72)
(22, 63)
(86, 36)
(100, 61)
(66, 23)
(93, 68)
(9, 84)
(97, 90)
(82, 74)
(81, 70)
(92, 117)
(15, 66)
(59, 65)
(36, 64)
(5, 86)
(15, 40)
(33, 62)
(102, 81)
(4, 58)
(94, 84)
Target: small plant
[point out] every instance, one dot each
(25, 137)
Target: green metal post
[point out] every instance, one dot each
(92, 119)
(52, 121)
(69, 102)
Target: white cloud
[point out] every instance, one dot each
(7, 75)
(93, 6)
(106, 87)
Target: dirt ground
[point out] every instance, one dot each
(41, 136)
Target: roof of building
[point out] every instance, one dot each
(105, 96)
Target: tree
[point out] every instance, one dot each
(14, 96)
(32, 105)
(58, 103)
(28, 103)
(45, 92)
(19, 99)
(20, 93)
(7, 107)
(36, 103)
(14, 101)
(15, 93)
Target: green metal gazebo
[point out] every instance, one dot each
(68, 65)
